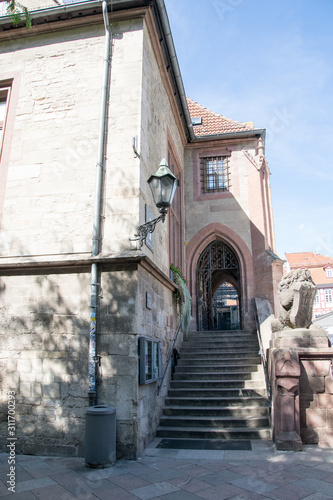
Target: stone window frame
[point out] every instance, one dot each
(5, 91)
(198, 156)
(215, 174)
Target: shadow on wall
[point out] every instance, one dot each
(44, 356)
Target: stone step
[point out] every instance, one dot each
(216, 411)
(215, 359)
(219, 344)
(236, 391)
(227, 384)
(212, 333)
(196, 376)
(225, 401)
(217, 368)
(217, 433)
(215, 422)
(211, 383)
(236, 349)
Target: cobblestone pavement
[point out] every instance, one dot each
(262, 473)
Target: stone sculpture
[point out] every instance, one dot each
(296, 293)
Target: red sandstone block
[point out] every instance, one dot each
(310, 436)
(330, 419)
(312, 384)
(325, 401)
(308, 366)
(329, 385)
(322, 367)
(316, 418)
(326, 438)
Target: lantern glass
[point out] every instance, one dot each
(163, 186)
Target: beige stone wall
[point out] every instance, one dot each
(50, 193)
(49, 197)
(158, 125)
(157, 323)
(44, 349)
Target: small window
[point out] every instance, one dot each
(316, 299)
(150, 356)
(329, 273)
(4, 99)
(328, 295)
(215, 174)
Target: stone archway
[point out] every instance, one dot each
(218, 288)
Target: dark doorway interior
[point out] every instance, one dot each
(218, 288)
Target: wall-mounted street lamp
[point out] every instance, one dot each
(163, 186)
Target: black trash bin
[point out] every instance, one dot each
(100, 436)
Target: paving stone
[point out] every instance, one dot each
(161, 475)
(34, 484)
(220, 492)
(254, 485)
(221, 477)
(180, 495)
(55, 493)
(129, 481)
(157, 489)
(201, 454)
(317, 485)
(117, 494)
(24, 495)
(293, 491)
(194, 470)
(317, 496)
(305, 471)
(189, 483)
(3, 489)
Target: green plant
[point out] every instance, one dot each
(18, 12)
(183, 297)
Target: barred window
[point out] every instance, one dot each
(215, 174)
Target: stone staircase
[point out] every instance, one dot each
(218, 390)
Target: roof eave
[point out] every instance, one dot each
(232, 135)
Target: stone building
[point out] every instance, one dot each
(56, 272)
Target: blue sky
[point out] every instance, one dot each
(270, 62)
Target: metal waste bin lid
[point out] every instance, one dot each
(101, 410)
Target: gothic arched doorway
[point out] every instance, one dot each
(218, 288)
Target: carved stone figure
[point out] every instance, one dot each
(296, 293)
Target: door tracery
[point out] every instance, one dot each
(218, 285)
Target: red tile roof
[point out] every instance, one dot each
(212, 123)
(308, 259)
(313, 261)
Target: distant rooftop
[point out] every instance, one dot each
(206, 122)
(305, 259)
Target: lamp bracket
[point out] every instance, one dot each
(148, 227)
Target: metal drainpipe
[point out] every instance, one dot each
(96, 240)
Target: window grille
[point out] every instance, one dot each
(215, 174)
